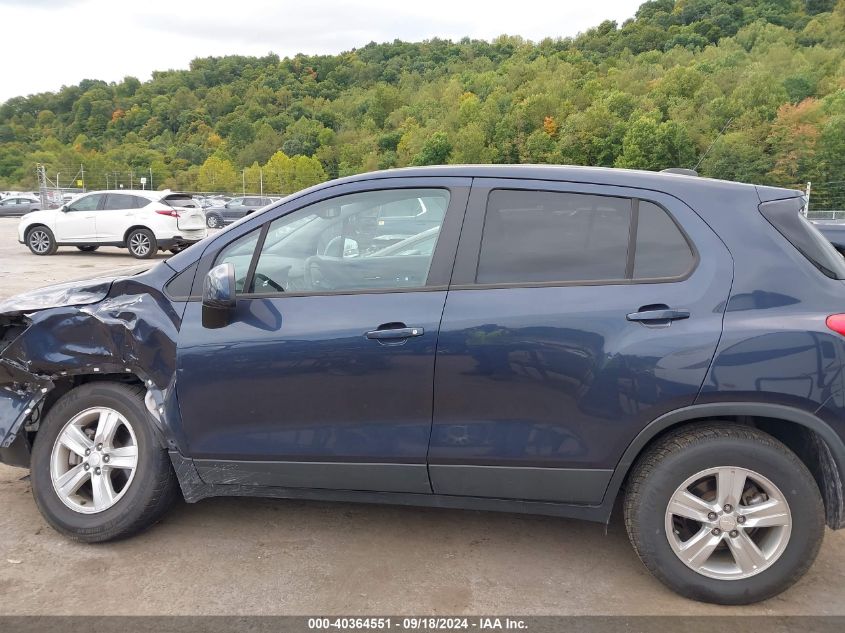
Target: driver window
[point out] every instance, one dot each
(88, 203)
(374, 240)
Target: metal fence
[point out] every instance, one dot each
(826, 215)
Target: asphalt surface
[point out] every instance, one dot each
(258, 556)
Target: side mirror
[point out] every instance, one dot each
(218, 295)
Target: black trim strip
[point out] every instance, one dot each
(561, 485)
(333, 475)
(632, 237)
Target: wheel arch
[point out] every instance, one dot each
(812, 439)
(68, 383)
(135, 227)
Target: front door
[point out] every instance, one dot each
(77, 223)
(324, 374)
(577, 315)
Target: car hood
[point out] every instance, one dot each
(71, 293)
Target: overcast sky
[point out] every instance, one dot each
(49, 43)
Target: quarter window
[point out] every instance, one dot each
(662, 250)
(541, 236)
(239, 253)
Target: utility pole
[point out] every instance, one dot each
(131, 174)
(261, 179)
(107, 180)
(82, 173)
(243, 181)
(151, 178)
(57, 181)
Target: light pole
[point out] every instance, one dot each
(243, 181)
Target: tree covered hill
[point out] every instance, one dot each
(654, 92)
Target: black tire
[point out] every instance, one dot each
(684, 453)
(88, 249)
(151, 492)
(41, 240)
(213, 221)
(142, 244)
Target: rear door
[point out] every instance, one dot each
(577, 314)
(117, 214)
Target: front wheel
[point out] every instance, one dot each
(97, 471)
(41, 241)
(213, 222)
(724, 513)
(142, 244)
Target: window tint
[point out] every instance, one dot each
(119, 201)
(86, 203)
(346, 243)
(540, 236)
(662, 250)
(239, 253)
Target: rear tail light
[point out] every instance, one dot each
(836, 322)
(171, 212)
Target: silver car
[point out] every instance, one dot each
(19, 205)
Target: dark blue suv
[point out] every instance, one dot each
(525, 339)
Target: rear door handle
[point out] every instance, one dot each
(388, 334)
(666, 314)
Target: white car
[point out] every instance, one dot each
(142, 221)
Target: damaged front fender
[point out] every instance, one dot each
(130, 331)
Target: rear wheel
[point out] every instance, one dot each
(213, 222)
(97, 471)
(142, 243)
(88, 249)
(41, 241)
(725, 514)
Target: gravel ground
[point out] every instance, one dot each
(250, 556)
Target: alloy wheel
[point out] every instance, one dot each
(728, 523)
(39, 241)
(94, 459)
(139, 244)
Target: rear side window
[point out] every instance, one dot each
(547, 237)
(662, 250)
(786, 216)
(542, 236)
(119, 201)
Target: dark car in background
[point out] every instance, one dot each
(15, 206)
(550, 340)
(234, 209)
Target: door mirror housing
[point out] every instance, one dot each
(218, 295)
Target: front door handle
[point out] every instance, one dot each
(393, 333)
(663, 314)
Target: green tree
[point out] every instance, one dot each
(217, 174)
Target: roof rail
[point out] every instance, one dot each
(679, 170)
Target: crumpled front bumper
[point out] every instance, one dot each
(21, 393)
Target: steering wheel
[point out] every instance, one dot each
(268, 282)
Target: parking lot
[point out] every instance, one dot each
(258, 556)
